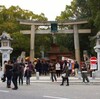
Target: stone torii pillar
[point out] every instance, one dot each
(76, 43)
(32, 42)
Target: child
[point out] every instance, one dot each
(27, 75)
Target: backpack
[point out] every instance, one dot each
(21, 69)
(16, 68)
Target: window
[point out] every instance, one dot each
(5, 43)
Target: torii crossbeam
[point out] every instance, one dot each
(75, 31)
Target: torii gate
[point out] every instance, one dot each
(75, 30)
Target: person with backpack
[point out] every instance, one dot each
(84, 72)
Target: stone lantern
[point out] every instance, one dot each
(97, 49)
(5, 48)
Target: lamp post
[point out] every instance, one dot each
(5, 48)
(97, 49)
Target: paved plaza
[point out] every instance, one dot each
(43, 88)
(51, 90)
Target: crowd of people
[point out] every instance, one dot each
(15, 71)
(44, 67)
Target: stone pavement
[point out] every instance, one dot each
(72, 80)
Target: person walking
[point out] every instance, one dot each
(65, 74)
(45, 67)
(58, 69)
(38, 67)
(27, 75)
(3, 78)
(84, 72)
(30, 65)
(69, 64)
(76, 68)
(53, 72)
(8, 73)
(15, 74)
(21, 72)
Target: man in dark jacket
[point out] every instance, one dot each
(15, 75)
(84, 72)
(21, 72)
(38, 67)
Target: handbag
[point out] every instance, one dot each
(63, 74)
(3, 78)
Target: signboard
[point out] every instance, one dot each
(93, 63)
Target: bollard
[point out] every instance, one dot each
(93, 75)
(37, 75)
(79, 74)
(1, 74)
(50, 76)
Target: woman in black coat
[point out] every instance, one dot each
(8, 73)
(27, 75)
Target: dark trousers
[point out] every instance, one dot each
(14, 80)
(58, 73)
(28, 80)
(69, 72)
(9, 81)
(53, 76)
(64, 79)
(84, 76)
(21, 79)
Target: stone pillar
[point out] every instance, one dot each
(98, 57)
(97, 49)
(32, 42)
(76, 43)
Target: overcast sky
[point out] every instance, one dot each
(51, 8)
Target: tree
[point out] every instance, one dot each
(20, 43)
(8, 18)
(79, 9)
(42, 43)
(9, 23)
(95, 10)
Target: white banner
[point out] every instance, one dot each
(93, 66)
